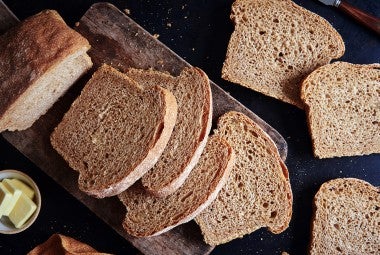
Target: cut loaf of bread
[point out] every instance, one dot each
(342, 103)
(39, 60)
(275, 45)
(193, 93)
(148, 215)
(59, 244)
(258, 192)
(346, 218)
(114, 132)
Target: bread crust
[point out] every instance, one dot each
(30, 50)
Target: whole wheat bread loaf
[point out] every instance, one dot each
(59, 244)
(114, 132)
(258, 192)
(346, 218)
(342, 103)
(39, 60)
(148, 215)
(192, 91)
(275, 45)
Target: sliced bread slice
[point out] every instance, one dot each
(148, 215)
(114, 132)
(346, 218)
(39, 60)
(275, 45)
(258, 192)
(193, 93)
(342, 103)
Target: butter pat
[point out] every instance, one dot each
(16, 193)
(5, 199)
(17, 184)
(23, 209)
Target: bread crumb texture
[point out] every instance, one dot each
(346, 218)
(114, 131)
(343, 109)
(258, 192)
(275, 45)
(193, 93)
(149, 215)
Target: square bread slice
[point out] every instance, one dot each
(258, 192)
(115, 131)
(346, 218)
(39, 60)
(193, 93)
(342, 103)
(148, 215)
(275, 45)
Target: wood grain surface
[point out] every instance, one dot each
(120, 42)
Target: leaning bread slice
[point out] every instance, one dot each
(114, 132)
(148, 215)
(39, 60)
(258, 192)
(192, 91)
(275, 45)
(343, 109)
(346, 218)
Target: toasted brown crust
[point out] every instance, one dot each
(346, 218)
(273, 56)
(64, 245)
(113, 179)
(31, 49)
(339, 99)
(148, 215)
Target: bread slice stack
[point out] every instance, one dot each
(148, 215)
(193, 93)
(275, 45)
(39, 60)
(342, 103)
(346, 218)
(258, 192)
(115, 131)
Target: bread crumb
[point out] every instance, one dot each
(127, 11)
(156, 35)
(169, 24)
(284, 253)
(77, 24)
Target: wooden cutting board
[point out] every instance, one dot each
(119, 41)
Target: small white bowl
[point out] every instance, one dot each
(7, 227)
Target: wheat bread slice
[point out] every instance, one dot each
(148, 215)
(342, 103)
(346, 218)
(275, 45)
(193, 93)
(258, 192)
(114, 131)
(39, 60)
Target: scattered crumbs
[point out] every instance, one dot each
(284, 253)
(76, 24)
(156, 35)
(261, 238)
(160, 62)
(183, 7)
(169, 24)
(193, 49)
(137, 33)
(185, 17)
(127, 11)
(340, 171)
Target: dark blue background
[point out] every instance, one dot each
(199, 33)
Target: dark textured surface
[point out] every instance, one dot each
(199, 32)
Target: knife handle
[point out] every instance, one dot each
(368, 20)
